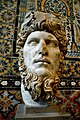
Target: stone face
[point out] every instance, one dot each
(41, 53)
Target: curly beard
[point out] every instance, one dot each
(40, 88)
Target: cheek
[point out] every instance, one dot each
(55, 56)
(29, 55)
(26, 58)
(26, 55)
(55, 61)
(55, 53)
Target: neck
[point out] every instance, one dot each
(28, 99)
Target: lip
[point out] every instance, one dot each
(42, 61)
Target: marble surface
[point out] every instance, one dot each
(29, 113)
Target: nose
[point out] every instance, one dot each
(43, 48)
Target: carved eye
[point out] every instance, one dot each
(55, 44)
(33, 42)
(52, 43)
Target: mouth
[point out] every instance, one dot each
(44, 61)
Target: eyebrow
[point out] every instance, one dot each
(51, 39)
(37, 39)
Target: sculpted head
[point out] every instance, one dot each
(42, 46)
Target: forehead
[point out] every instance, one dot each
(41, 35)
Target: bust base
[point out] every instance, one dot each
(40, 113)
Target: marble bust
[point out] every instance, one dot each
(42, 45)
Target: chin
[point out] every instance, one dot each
(43, 72)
